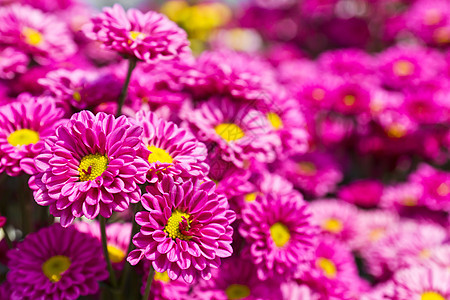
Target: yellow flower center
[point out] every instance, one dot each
(161, 277)
(32, 36)
(349, 100)
(332, 225)
(229, 132)
(275, 120)
(409, 201)
(92, 166)
(307, 168)
(77, 96)
(250, 197)
(318, 94)
(55, 266)
(280, 234)
(432, 296)
(396, 130)
(178, 222)
(442, 35)
(237, 291)
(376, 234)
(425, 253)
(443, 189)
(136, 35)
(23, 137)
(403, 68)
(327, 266)
(432, 17)
(159, 155)
(116, 255)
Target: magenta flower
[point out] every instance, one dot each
(118, 239)
(366, 193)
(353, 63)
(151, 37)
(401, 195)
(185, 229)
(56, 263)
(90, 167)
(42, 35)
(279, 234)
(236, 279)
(239, 131)
(173, 150)
(25, 126)
(422, 283)
(12, 62)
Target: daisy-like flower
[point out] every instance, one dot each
(236, 279)
(90, 167)
(42, 35)
(12, 62)
(173, 150)
(185, 229)
(118, 238)
(401, 195)
(56, 263)
(365, 193)
(150, 37)
(352, 98)
(293, 290)
(279, 234)
(25, 126)
(346, 62)
(241, 132)
(336, 219)
(431, 283)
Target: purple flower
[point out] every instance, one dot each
(366, 193)
(25, 126)
(151, 37)
(12, 62)
(185, 229)
(56, 263)
(90, 167)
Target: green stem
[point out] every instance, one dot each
(112, 275)
(132, 61)
(151, 273)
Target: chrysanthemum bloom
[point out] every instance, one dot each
(382, 291)
(241, 132)
(90, 167)
(352, 98)
(151, 37)
(25, 126)
(436, 187)
(42, 35)
(232, 73)
(401, 67)
(316, 91)
(173, 150)
(164, 288)
(407, 244)
(336, 219)
(346, 62)
(426, 106)
(279, 234)
(185, 229)
(236, 279)
(396, 123)
(118, 239)
(81, 88)
(316, 173)
(293, 290)
(56, 263)
(398, 196)
(12, 62)
(333, 265)
(365, 193)
(431, 283)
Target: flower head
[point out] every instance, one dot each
(365, 193)
(56, 263)
(90, 167)
(185, 229)
(12, 62)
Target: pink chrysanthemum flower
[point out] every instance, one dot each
(81, 88)
(56, 263)
(279, 234)
(164, 288)
(42, 35)
(173, 150)
(366, 193)
(90, 167)
(25, 125)
(239, 131)
(12, 62)
(292, 290)
(151, 37)
(316, 173)
(401, 195)
(352, 98)
(336, 219)
(346, 62)
(118, 238)
(431, 283)
(185, 229)
(236, 279)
